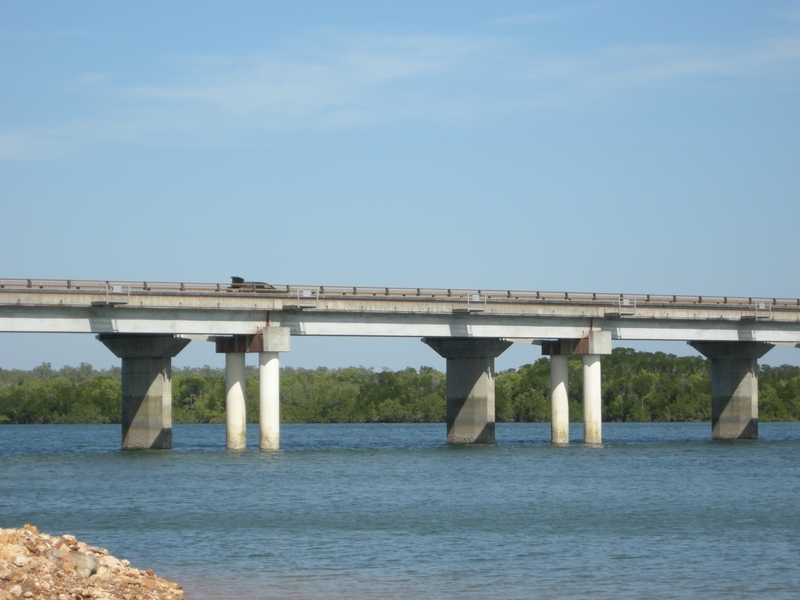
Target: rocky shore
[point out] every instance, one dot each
(40, 566)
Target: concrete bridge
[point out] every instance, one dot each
(145, 324)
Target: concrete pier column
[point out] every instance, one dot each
(470, 386)
(592, 400)
(559, 398)
(734, 387)
(146, 387)
(269, 407)
(270, 342)
(590, 348)
(235, 410)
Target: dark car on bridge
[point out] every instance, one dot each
(238, 284)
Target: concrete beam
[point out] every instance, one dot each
(565, 347)
(470, 387)
(268, 339)
(146, 387)
(226, 344)
(595, 342)
(365, 319)
(734, 387)
(273, 339)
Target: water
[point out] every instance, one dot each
(367, 511)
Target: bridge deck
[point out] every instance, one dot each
(46, 305)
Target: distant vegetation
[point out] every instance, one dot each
(637, 386)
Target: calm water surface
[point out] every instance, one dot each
(367, 511)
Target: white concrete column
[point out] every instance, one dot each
(236, 417)
(559, 398)
(592, 400)
(269, 407)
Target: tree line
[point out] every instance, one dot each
(637, 386)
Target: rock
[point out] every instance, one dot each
(63, 559)
(112, 563)
(62, 568)
(86, 565)
(21, 561)
(10, 551)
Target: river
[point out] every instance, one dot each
(390, 511)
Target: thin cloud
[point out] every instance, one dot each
(370, 80)
(620, 69)
(527, 18)
(92, 79)
(28, 144)
(381, 80)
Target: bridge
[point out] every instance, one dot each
(146, 324)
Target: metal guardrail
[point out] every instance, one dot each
(476, 300)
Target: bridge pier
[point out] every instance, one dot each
(734, 387)
(274, 340)
(592, 400)
(470, 386)
(146, 387)
(235, 406)
(589, 348)
(268, 343)
(559, 399)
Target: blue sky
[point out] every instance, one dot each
(585, 146)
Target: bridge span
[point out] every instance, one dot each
(145, 324)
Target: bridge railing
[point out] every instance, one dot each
(471, 297)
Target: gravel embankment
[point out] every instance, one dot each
(40, 566)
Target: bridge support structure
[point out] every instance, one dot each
(146, 387)
(235, 406)
(734, 387)
(470, 386)
(268, 343)
(559, 399)
(590, 349)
